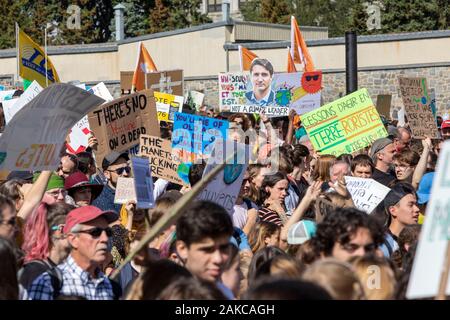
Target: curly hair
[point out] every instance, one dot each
(341, 226)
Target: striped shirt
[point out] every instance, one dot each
(268, 215)
(76, 282)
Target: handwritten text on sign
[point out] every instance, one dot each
(366, 193)
(167, 104)
(164, 164)
(118, 124)
(197, 134)
(417, 102)
(346, 125)
(33, 138)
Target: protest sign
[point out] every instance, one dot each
(143, 183)
(366, 193)
(6, 95)
(167, 104)
(287, 91)
(194, 100)
(163, 162)
(224, 188)
(8, 109)
(434, 237)
(170, 81)
(78, 136)
(119, 123)
(125, 190)
(196, 134)
(33, 139)
(32, 91)
(346, 125)
(384, 105)
(417, 102)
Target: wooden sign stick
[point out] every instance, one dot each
(168, 219)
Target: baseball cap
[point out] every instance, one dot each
(112, 157)
(398, 191)
(445, 124)
(86, 214)
(21, 175)
(424, 191)
(301, 232)
(379, 145)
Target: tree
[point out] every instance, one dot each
(136, 17)
(159, 18)
(11, 12)
(275, 11)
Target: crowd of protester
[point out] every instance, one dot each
(295, 233)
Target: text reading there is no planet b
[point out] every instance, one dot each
(346, 125)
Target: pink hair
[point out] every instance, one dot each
(36, 242)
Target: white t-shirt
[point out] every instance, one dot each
(241, 213)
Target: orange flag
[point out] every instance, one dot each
(144, 65)
(246, 58)
(290, 63)
(299, 50)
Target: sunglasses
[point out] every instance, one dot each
(97, 232)
(120, 171)
(316, 77)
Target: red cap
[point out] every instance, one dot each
(445, 124)
(86, 214)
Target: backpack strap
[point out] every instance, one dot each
(388, 244)
(56, 279)
(248, 203)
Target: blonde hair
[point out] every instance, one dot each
(322, 169)
(337, 278)
(260, 232)
(376, 276)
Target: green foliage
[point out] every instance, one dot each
(275, 11)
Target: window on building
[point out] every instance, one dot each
(214, 5)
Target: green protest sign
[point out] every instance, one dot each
(346, 125)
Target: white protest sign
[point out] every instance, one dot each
(143, 183)
(125, 190)
(33, 139)
(435, 235)
(80, 131)
(366, 193)
(7, 94)
(224, 188)
(32, 91)
(8, 109)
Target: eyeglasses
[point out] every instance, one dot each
(12, 222)
(97, 232)
(316, 77)
(120, 171)
(352, 247)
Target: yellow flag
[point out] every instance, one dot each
(32, 62)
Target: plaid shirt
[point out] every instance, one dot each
(76, 282)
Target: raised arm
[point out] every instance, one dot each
(34, 196)
(422, 165)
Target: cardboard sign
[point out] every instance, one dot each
(194, 100)
(196, 134)
(143, 183)
(384, 105)
(125, 190)
(417, 102)
(167, 105)
(78, 137)
(33, 139)
(32, 91)
(8, 109)
(224, 188)
(119, 123)
(163, 163)
(366, 193)
(346, 125)
(431, 250)
(170, 81)
(286, 92)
